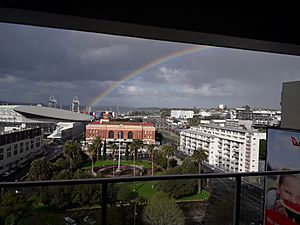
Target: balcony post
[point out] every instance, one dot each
(237, 200)
(104, 204)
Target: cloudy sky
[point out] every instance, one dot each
(38, 62)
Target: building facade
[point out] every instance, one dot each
(184, 114)
(19, 146)
(121, 131)
(231, 149)
(11, 118)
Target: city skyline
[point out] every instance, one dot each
(113, 70)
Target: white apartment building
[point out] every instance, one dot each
(19, 146)
(184, 114)
(231, 149)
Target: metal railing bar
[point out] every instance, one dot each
(104, 203)
(237, 200)
(142, 178)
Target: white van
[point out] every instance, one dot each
(70, 221)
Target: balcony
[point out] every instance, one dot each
(235, 185)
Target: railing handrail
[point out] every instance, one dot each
(141, 178)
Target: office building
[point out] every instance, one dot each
(18, 146)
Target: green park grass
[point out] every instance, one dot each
(199, 196)
(145, 190)
(143, 163)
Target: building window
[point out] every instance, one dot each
(8, 154)
(15, 149)
(1, 153)
(130, 135)
(111, 135)
(120, 134)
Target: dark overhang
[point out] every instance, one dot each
(263, 30)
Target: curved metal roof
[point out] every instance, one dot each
(46, 113)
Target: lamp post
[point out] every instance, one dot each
(119, 159)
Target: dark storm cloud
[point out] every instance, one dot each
(52, 54)
(38, 62)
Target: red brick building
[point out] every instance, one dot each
(121, 131)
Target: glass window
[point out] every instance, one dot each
(111, 134)
(130, 135)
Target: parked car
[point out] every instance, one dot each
(89, 220)
(69, 221)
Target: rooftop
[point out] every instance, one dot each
(198, 132)
(229, 128)
(125, 123)
(46, 113)
(17, 130)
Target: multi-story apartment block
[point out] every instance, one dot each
(231, 149)
(18, 146)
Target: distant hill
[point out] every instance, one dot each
(124, 109)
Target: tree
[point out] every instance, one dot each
(61, 195)
(180, 188)
(92, 152)
(60, 164)
(73, 154)
(12, 207)
(104, 150)
(168, 151)
(113, 148)
(125, 194)
(134, 146)
(163, 210)
(194, 121)
(40, 169)
(160, 159)
(199, 156)
(98, 145)
(127, 152)
(85, 194)
(151, 152)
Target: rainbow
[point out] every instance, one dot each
(150, 65)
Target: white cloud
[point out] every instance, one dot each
(171, 75)
(222, 87)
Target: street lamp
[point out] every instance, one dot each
(119, 159)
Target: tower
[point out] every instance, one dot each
(75, 104)
(52, 102)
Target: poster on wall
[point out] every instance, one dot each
(282, 192)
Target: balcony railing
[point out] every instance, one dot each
(106, 181)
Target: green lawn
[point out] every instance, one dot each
(200, 196)
(145, 189)
(144, 164)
